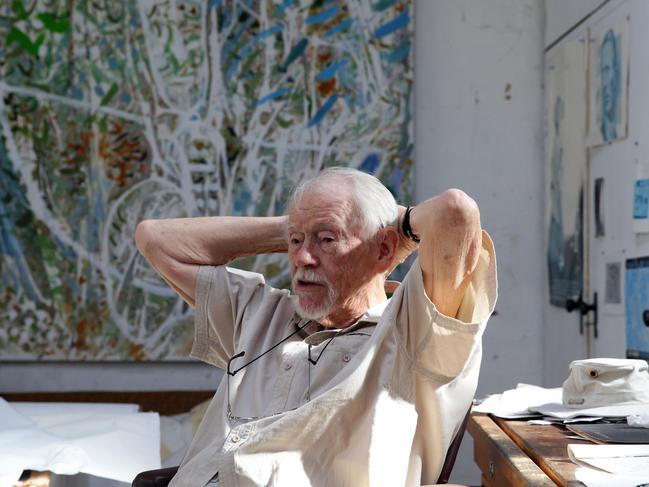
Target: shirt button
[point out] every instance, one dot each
(287, 366)
(235, 439)
(346, 358)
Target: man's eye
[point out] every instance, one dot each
(327, 239)
(295, 241)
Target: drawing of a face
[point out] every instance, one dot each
(610, 75)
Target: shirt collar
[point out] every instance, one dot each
(370, 318)
(373, 314)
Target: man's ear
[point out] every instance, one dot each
(388, 242)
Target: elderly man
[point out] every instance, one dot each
(334, 385)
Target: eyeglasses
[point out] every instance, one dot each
(312, 361)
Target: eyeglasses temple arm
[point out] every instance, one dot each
(240, 354)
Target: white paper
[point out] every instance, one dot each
(615, 459)
(115, 446)
(596, 478)
(517, 403)
(528, 400)
(39, 408)
(558, 410)
(638, 420)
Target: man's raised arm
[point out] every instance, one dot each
(177, 247)
(451, 238)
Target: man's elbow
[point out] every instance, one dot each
(459, 210)
(461, 222)
(145, 234)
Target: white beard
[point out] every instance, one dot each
(315, 312)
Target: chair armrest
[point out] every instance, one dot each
(155, 478)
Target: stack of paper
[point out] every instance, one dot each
(102, 440)
(532, 401)
(614, 465)
(518, 403)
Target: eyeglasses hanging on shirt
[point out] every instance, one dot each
(312, 362)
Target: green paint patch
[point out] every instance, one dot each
(53, 23)
(17, 36)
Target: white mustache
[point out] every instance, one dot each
(310, 276)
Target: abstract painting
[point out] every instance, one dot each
(116, 111)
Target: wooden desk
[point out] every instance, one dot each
(514, 453)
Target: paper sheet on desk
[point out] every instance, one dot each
(558, 410)
(40, 408)
(517, 403)
(616, 459)
(596, 478)
(528, 400)
(115, 446)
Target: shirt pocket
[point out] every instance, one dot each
(333, 358)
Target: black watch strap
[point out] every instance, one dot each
(406, 228)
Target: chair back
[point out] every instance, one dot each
(155, 478)
(451, 453)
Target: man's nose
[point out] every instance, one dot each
(306, 256)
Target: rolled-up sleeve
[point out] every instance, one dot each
(439, 346)
(223, 297)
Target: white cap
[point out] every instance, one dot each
(606, 382)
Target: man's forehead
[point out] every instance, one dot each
(318, 208)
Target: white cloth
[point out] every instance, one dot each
(386, 400)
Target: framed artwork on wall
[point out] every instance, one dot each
(565, 163)
(608, 81)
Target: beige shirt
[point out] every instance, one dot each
(386, 396)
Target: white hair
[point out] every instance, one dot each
(374, 204)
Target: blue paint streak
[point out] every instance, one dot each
(273, 96)
(340, 27)
(382, 5)
(242, 201)
(236, 61)
(232, 43)
(268, 32)
(398, 54)
(317, 118)
(370, 164)
(283, 5)
(295, 53)
(322, 16)
(395, 181)
(393, 25)
(233, 69)
(213, 4)
(330, 72)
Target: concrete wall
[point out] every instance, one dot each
(479, 127)
(561, 15)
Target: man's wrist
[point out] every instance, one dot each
(406, 229)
